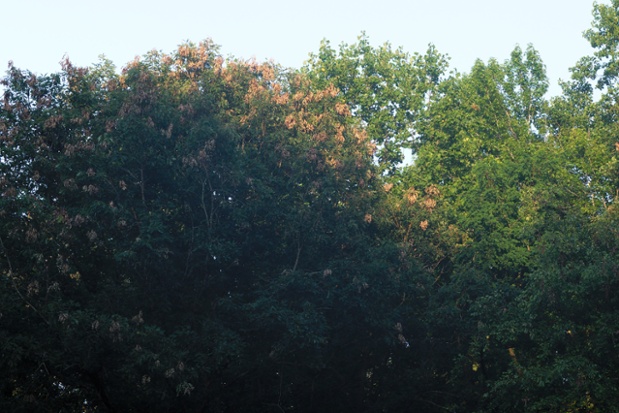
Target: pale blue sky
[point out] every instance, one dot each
(37, 33)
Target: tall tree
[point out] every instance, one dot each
(191, 234)
(386, 90)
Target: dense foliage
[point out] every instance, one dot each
(208, 235)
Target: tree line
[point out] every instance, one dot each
(367, 233)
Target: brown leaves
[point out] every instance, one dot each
(429, 204)
(83, 146)
(411, 214)
(411, 196)
(256, 90)
(191, 61)
(342, 109)
(432, 190)
(290, 121)
(90, 189)
(52, 121)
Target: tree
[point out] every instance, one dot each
(211, 235)
(386, 90)
(193, 234)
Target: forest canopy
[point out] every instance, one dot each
(200, 234)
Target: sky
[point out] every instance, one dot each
(36, 34)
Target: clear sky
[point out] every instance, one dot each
(36, 34)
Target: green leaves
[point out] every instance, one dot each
(145, 213)
(386, 90)
(202, 234)
(604, 37)
(524, 87)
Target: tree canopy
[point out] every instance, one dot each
(201, 234)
